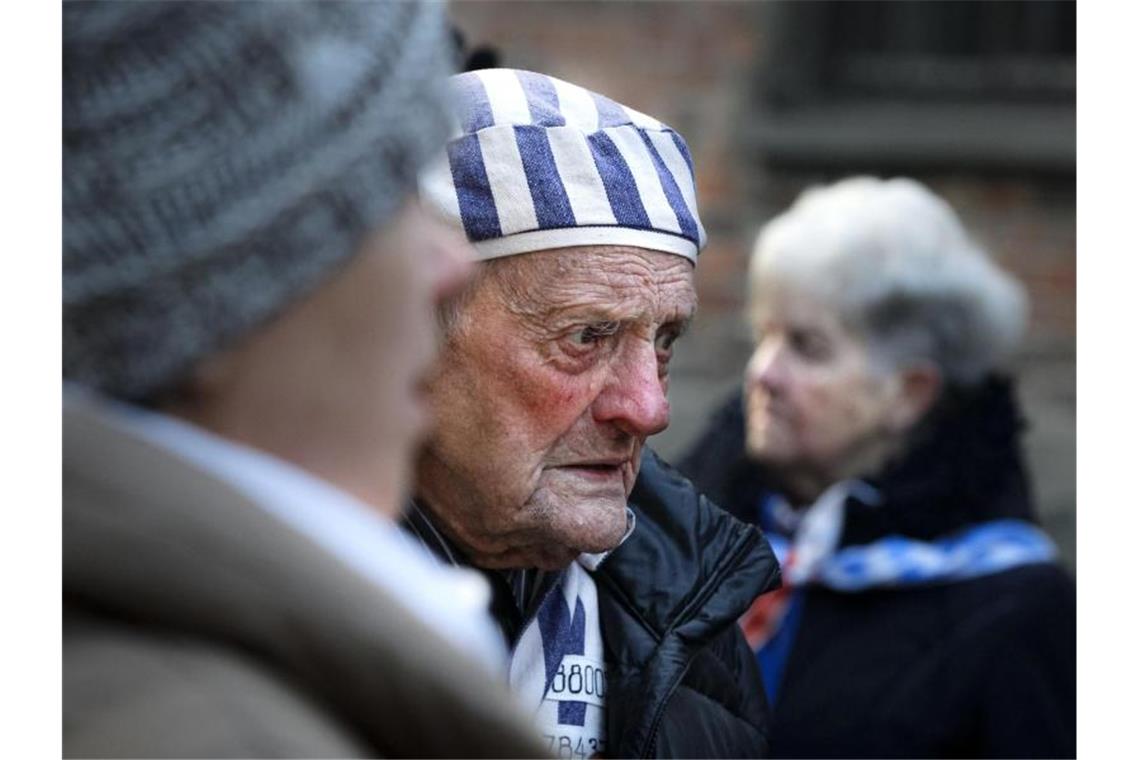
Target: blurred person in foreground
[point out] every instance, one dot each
(249, 292)
(877, 444)
(618, 590)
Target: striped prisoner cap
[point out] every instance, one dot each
(538, 163)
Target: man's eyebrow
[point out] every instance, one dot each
(680, 316)
(600, 312)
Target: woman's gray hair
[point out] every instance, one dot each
(902, 272)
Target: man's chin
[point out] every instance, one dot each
(560, 558)
(601, 528)
(555, 555)
(593, 531)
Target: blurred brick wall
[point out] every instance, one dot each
(694, 65)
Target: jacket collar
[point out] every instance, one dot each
(689, 567)
(151, 540)
(684, 577)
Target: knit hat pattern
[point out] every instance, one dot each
(222, 160)
(539, 163)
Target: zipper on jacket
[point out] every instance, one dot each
(655, 727)
(747, 541)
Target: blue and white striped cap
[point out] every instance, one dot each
(538, 163)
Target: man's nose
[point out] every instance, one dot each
(634, 397)
(766, 367)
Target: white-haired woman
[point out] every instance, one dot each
(876, 441)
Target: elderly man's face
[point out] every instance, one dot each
(550, 382)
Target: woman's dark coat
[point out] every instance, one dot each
(979, 668)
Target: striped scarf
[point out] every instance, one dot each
(806, 544)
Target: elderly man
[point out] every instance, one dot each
(248, 308)
(618, 590)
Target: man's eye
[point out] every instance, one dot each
(591, 334)
(665, 340)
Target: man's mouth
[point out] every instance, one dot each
(595, 469)
(600, 469)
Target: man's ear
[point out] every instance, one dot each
(920, 385)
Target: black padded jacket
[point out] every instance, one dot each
(682, 680)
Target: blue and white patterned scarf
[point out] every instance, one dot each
(806, 543)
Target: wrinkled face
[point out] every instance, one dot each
(334, 384)
(814, 399)
(553, 377)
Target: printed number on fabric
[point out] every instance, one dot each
(579, 679)
(572, 746)
(558, 667)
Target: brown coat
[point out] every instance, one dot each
(195, 624)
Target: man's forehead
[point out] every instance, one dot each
(603, 278)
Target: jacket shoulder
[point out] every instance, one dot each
(131, 692)
(687, 560)
(725, 674)
(684, 682)
(1034, 605)
(1025, 603)
(170, 563)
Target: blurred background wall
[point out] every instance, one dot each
(978, 100)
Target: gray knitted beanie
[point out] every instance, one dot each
(221, 160)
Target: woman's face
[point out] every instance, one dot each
(814, 399)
